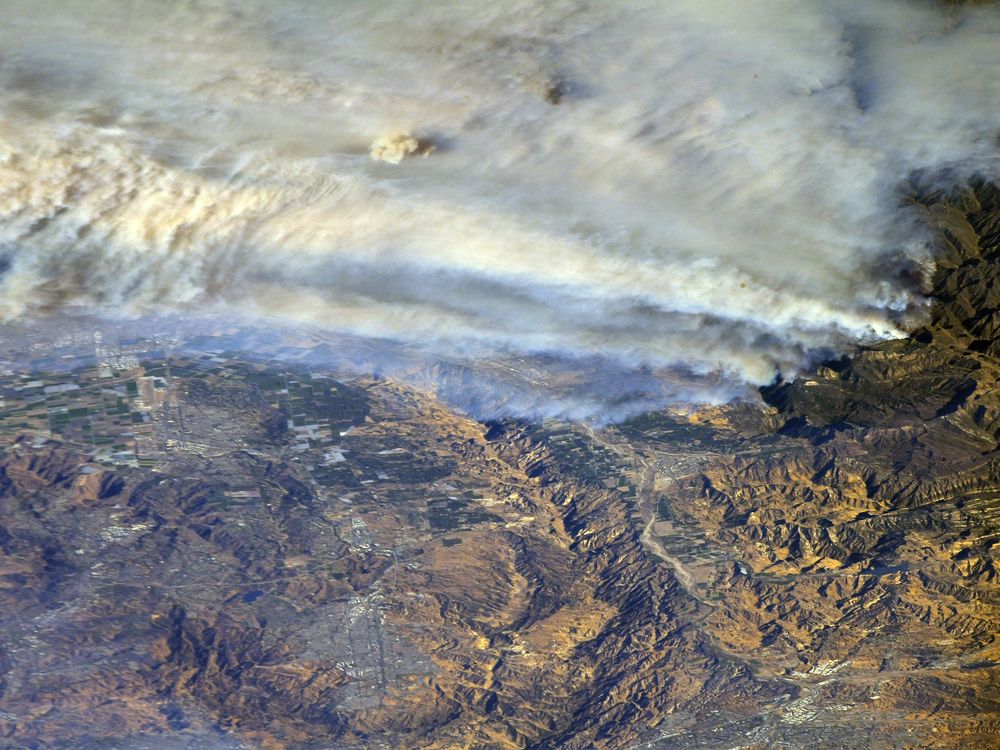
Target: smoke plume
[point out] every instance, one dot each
(700, 194)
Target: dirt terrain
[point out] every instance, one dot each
(360, 566)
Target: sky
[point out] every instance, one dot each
(657, 201)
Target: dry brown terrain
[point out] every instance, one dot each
(819, 570)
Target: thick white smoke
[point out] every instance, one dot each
(702, 187)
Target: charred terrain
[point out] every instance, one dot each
(197, 550)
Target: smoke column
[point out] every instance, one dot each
(700, 195)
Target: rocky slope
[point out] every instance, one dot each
(863, 519)
(816, 570)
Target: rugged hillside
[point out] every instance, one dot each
(475, 594)
(296, 562)
(861, 523)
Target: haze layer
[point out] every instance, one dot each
(695, 187)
